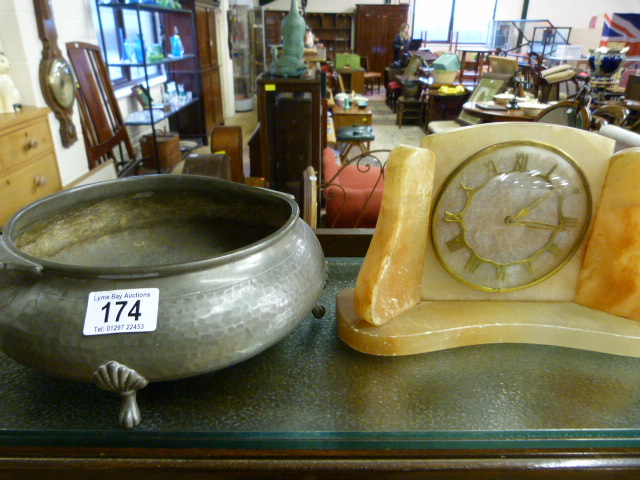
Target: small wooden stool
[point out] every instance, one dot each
(393, 92)
(408, 108)
(358, 136)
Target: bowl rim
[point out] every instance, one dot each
(86, 194)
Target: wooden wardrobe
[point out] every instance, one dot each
(376, 27)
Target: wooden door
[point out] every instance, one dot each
(376, 27)
(272, 21)
(205, 19)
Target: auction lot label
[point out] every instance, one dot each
(122, 311)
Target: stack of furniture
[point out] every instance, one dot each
(489, 81)
(550, 81)
(473, 67)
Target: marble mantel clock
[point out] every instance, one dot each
(502, 233)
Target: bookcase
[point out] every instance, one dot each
(333, 30)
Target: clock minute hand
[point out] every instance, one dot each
(568, 225)
(529, 208)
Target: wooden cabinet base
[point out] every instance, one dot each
(28, 166)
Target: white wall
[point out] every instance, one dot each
(509, 9)
(334, 6)
(577, 14)
(226, 66)
(19, 37)
(561, 13)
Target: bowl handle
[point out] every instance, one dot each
(11, 261)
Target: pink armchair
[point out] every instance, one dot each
(352, 192)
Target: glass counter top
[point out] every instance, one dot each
(311, 391)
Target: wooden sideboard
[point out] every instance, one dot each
(28, 166)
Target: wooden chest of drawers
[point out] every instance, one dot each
(342, 117)
(28, 167)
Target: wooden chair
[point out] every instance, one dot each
(105, 134)
(408, 108)
(370, 77)
(568, 113)
(344, 195)
(632, 88)
(551, 81)
(609, 115)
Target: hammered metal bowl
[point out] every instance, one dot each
(235, 267)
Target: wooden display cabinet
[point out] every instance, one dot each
(188, 118)
(209, 66)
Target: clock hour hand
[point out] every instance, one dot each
(529, 208)
(565, 224)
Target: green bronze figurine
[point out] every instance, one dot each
(293, 29)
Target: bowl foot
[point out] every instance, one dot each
(115, 377)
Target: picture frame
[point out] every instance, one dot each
(489, 85)
(414, 64)
(142, 96)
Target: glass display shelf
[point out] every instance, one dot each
(164, 61)
(143, 117)
(312, 392)
(149, 7)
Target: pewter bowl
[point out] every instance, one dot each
(233, 267)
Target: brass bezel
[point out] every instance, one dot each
(52, 83)
(487, 150)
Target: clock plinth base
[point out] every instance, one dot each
(443, 324)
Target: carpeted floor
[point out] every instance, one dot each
(387, 133)
(382, 113)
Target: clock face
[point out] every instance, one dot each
(61, 83)
(510, 216)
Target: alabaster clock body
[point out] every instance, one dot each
(510, 216)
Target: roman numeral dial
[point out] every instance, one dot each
(510, 216)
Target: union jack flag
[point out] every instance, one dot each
(622, 27)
